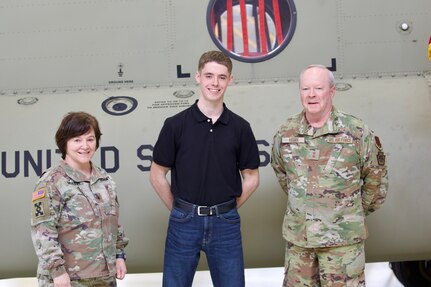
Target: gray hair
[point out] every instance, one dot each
(330, 74)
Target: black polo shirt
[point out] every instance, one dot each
(206, 158)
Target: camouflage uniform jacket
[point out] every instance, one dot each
(333, 177)
(74, 223)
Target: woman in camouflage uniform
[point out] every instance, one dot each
(75, 210)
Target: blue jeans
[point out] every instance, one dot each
(219, 236)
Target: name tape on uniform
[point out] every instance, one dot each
(293, 140)
(346, 140)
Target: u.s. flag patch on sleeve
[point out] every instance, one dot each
(38, 194)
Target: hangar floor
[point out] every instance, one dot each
(377, 275)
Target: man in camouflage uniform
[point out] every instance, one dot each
(333, 170)
(74, 220)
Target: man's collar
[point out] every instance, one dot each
(331, 126)
(201, 117)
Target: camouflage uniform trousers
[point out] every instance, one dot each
(106, 281)
(342, 266)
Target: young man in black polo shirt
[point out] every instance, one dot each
(213, 158)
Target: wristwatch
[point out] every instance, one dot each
(121, 255)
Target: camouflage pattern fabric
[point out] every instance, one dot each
(74, 223)
(333, 177)
(329, 266)
(106, 281)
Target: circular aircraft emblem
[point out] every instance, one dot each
(118, 106)
(251, 30)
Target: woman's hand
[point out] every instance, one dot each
(120, 264)
(62, 281)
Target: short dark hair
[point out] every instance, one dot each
(215, 56)
(75, 124)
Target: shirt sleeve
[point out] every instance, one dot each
(164, 149)
(277, 162)
(122, 240)
(374, 174)
(46, 210)
(249, 158)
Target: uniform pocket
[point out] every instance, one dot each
(356, 266)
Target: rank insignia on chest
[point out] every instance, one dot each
(293, 140)
(313, 154)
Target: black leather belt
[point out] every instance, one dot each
(205, 210)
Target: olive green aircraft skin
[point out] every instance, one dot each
(66, 56)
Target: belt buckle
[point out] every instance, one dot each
(199, 210)
(210, 210)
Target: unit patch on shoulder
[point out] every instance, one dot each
(40, 206)
(38, 194)
(378, 144)
(39, 210)
(381, 158)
